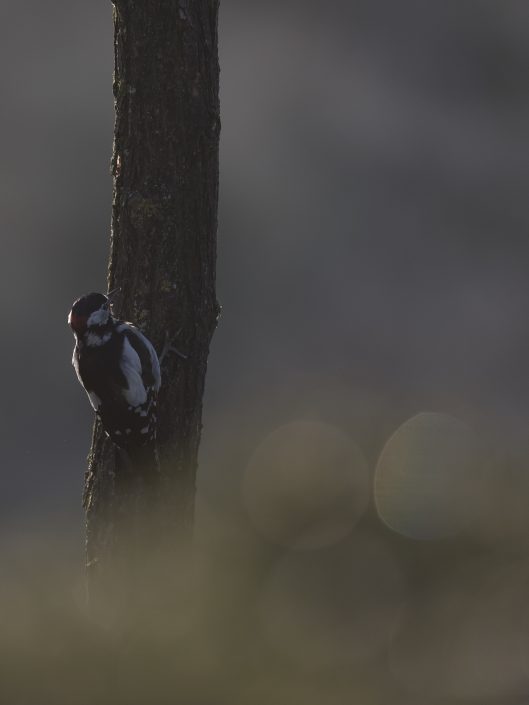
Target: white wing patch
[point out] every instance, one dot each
(136, 393)
(155, 363)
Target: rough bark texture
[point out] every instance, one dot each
(163, 246)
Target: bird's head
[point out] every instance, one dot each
(90, 312)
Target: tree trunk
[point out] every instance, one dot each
(162, 254)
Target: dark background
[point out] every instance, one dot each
(373, 257)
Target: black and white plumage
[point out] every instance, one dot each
(119, 369)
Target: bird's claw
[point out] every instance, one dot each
(168, 348)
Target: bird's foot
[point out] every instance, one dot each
(169, 348)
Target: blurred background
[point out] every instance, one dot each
(363, 494)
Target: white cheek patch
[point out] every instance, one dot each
(93, 339)
(98, 318)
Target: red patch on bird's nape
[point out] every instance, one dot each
(77, 323)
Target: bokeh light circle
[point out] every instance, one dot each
(425, 479)
(306, 485)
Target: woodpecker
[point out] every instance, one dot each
(119, 370)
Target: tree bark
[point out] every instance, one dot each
(162, 253)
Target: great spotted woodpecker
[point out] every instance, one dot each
(119, 369)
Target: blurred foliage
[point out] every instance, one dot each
(295, 591)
